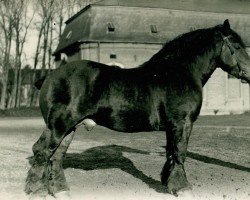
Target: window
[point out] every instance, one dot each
(135, 57)
(111, 27)
(112, 56)
(192, 28)
(153, 29)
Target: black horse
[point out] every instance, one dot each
(164, 93)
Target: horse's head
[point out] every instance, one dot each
(233, 57)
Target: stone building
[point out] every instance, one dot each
(127, 33)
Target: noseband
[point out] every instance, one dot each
(229, 45)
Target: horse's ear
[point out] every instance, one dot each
(225, 28)
(226, 24)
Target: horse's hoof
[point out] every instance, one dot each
(36, 197)
(63, 195)
(185, 194)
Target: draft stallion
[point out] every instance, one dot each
(164, 93)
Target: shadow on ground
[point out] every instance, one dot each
(110, 156)
(215, 161)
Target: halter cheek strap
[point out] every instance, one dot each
(229, 45)
(227, 42)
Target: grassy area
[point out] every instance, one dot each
(219, 120)
(21, 112)
(225, 120)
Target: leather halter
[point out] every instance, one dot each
(229, 45)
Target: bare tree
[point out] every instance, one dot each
(14, 25)
(20, 26)
(52, 14)
(46, 10)
(6, 27)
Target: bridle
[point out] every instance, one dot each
(229, 45)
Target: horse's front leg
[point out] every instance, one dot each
(173, 173)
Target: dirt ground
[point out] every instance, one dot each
(103, 164)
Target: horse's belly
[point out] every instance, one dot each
(132, 120)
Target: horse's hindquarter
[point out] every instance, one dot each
(66, 88)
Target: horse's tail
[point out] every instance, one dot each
(39, 82)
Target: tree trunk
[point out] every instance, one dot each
(33, 89)
(19, 88)
(4, 92)
(13, 100)
(45, 47)
(6, 67)
(50, 45)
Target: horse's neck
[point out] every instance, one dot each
(201, 68)
(204, 66)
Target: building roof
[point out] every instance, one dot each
(219, 6)
(147, 21)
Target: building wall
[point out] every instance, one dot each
(127, 54)
(225, 95)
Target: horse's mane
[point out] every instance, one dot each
(186, 47)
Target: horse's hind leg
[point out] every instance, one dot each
(46, 170)
(47, 176)
(57, 182)
(36, 183)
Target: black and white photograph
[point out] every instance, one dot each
(124, 99)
